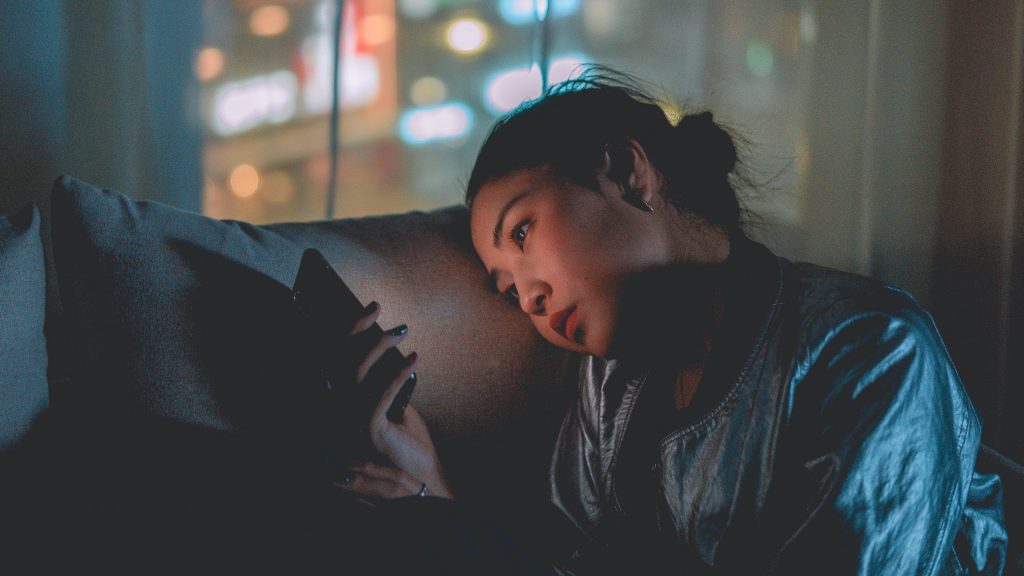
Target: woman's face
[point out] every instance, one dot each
(564, 253)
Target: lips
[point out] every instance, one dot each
(564, 322)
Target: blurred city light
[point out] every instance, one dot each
(244, 105)
(467, 35)
(435, 123)
(269, 21)
(417, 9)
(360, 73)
(427, 90)
(808, 26)
(760, 58)
(377, 29)
(540, 10)
(244, 181)
(209, 64)
(509, 88)
(527, 11)
(566, 67)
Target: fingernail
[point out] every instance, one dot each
(372, 307)
(398, 330)
(346, 478)
(411, 359)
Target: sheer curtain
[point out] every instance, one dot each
(103, 90)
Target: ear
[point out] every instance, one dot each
(628, 166)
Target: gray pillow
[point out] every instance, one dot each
(132, 278)
(23, 357)
(172, 313)
(165, 312)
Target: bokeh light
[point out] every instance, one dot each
(428, 90)
(520, 12)
(760, 59)
(445, 122)
(417, 9)
(377, 29)
(209, 63)
(509, 88)
(269, 21)
(244, 181)
(467, 35)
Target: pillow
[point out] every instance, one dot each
(175, 314)
(166, 312)
(137, 281)
(482, 366)
(23, 357)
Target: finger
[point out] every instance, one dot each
(397, 409)
(371, 313)
(388, 339)
(372, 469)
(412, 421)
(384, 483)
(380, 412)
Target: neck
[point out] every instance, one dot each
(672, 314)
(692, 240)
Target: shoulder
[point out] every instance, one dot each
(865, 349)
(827, 303)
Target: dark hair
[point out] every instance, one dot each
(569, 127)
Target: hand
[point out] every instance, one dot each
(411, 457)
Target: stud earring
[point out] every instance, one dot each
(633, 198)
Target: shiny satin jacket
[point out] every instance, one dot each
(838, 440)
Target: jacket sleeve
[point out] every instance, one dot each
(878, 452)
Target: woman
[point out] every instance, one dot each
(737, 412)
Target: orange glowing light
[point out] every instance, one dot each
(244, 180)
(377, 29)
(209, 64)
(269, 21)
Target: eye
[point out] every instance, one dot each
(518, 233)
(511, 295)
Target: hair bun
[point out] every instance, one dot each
(708, 146)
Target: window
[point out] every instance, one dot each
(423, 80)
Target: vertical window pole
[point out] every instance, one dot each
(335, 152)
(542, 39)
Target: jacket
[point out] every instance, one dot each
(830, 434)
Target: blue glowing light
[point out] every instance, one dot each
(435, 123)
(518, 12)
(508, 88)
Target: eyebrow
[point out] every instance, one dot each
(501, 216)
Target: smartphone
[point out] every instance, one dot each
(329, 310)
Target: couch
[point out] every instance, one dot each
(121, 318)
(125, 317)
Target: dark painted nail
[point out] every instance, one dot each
(398, 330)
(346, 478)
(371, 307)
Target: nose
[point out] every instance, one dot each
(534, 298)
